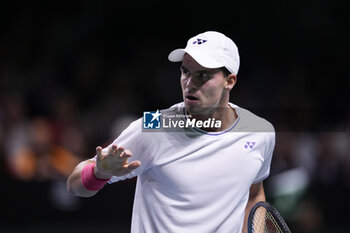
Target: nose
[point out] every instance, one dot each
(191, 84)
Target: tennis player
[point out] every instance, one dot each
(190, 179)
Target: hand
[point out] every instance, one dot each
(114, 162)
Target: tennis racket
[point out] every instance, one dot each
(264, 218)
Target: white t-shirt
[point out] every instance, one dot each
(191, 181)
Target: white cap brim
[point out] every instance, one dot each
(203, 59)
(177, 55)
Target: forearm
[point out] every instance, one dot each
(74, 184)
(256, 195)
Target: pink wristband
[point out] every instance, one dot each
(89, 180)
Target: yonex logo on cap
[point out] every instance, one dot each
(199, 41)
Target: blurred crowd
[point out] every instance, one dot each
(70, 82)
(310, 180)
(47, 147)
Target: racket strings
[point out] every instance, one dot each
(264, 222)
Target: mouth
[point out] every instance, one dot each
(191, 98)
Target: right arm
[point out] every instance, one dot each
(112, 163)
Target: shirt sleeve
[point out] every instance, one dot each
(267, 157)
(139, 144)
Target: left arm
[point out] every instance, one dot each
(256, 194)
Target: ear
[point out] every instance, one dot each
(230, 81)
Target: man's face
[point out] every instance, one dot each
(203, 89)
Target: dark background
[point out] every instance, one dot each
(87, 68)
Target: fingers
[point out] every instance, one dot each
(119, 151)
(125, 154)
(99, 152)
(133, 165)
(114, 151)
(120, 154)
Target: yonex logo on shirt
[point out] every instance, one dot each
(249, 145)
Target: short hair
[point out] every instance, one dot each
(225, 71)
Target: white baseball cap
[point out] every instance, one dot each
(211, 50)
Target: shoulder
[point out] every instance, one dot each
(174, 109)
(134, 126)
(250, 122)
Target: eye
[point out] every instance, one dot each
(184, 71)
(204, 75)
